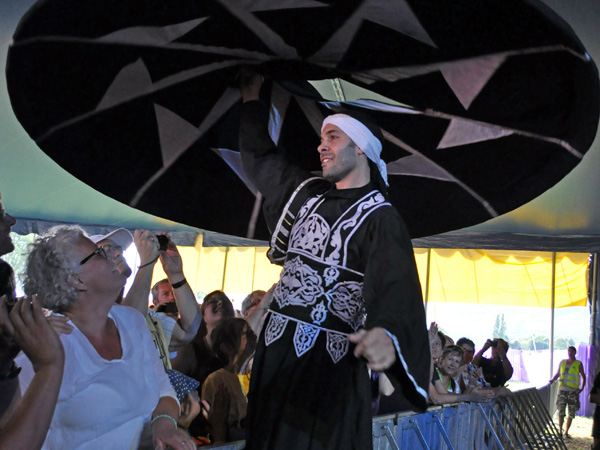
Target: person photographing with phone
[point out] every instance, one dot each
(497, 370)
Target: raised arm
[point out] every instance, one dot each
(185, 299)
(147, 247)
(477, 357)
(256, 317)
(27, 427)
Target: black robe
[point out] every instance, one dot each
(306, 393)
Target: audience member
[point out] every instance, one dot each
(252, 301)
(110, 360)
(471, 374)
(258, 313)
(571, 381)
(162, 294)
(448, 341)
(232, 339)
(26, 427)
(168, 333)
(186, 389)
(9, 383)
(445, 377)
(197, 359)
(437, 341)
(497, 370)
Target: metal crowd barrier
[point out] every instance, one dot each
(520, 421)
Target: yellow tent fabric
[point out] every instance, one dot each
(515, 278)
(235, 270)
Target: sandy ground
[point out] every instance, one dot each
(580, 432)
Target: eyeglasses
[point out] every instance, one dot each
(99, 251)
(112, 249)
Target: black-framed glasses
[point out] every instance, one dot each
(99, 251)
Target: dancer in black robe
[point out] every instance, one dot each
(349, 296)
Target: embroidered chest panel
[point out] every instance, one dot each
(316, 276)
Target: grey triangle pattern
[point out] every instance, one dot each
(461, 132)
(234, 161)
(151, 35)
(132, 81)
(467, 78)
(271, 39)
(176, 135)
(397, 16)
(417, 165)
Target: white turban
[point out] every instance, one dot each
(361, 136)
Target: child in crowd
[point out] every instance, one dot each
(187, 394)
(445, 377)
(232, 340)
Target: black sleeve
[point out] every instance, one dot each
(392, 292)
(271, 173)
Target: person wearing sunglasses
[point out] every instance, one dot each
(113, 380)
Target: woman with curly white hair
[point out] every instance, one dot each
(113, 380)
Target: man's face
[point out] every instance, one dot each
(338, 154)
(468, 353)
(115, 253)
(6, 223)
(165, 294)
(571, 352)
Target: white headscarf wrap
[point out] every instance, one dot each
(361, 136)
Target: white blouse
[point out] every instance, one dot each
(104, 404)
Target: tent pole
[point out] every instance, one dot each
(427, 278)
(593, 294)
(224, 269)
(253, 270)
(552, 293)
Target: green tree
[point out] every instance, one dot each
(500, 328)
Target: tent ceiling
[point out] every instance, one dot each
(39, 192)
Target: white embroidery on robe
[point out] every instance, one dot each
(331, 274)
(346, 302)
(337, 345)
(311, 235)
(336, 242)
(304, 338)
(299, 284)
(319, 314)
(275, 328)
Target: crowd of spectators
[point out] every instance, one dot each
(100, 365)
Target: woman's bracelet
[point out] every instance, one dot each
(164, 416)
(148, 263)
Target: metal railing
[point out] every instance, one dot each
(520, 421)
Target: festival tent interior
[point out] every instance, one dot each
(563, 219)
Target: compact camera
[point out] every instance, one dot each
(494, 343)
(163, 242)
